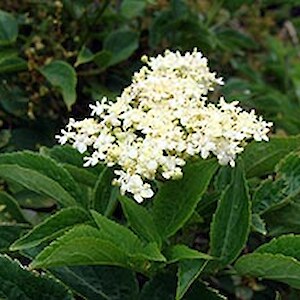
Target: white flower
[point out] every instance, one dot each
(99, 108)
(160, 120)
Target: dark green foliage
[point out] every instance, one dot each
(18, 283)
(200, 237)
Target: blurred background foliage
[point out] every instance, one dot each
(56, 57)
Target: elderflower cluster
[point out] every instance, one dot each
(161, 120)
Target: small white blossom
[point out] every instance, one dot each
(160, 120)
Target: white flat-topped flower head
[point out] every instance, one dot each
(161, 120)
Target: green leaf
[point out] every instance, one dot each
(104, 196)
(52, 227)
(126, 239)
(222, 178)
(85, 55)
(82, 245)
(31, 200)
(68, 155)
(102, 59)
(284, 220)
(183, 252)
(99, 282)
(270, 266)
(112, 245)
(234, 40)
(12, 64)
(37, 182)
(117, 233)
(8, 28)
(188, 271)
(14, 101)
(122, 44)
(11, 207)
(63, 77)
(288, 245)
(176, 200)
(231, 222)
(261, 158)
(81, 175)
(9, 233)
(273, 194)
(140, 220)
(258, 224)
(267, 196)
(46, 166)
(18, 283)
(64, 154)
(132, 8)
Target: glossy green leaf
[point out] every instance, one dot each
(126, 239)
(114, 232)
(231, 222)
(140, 220)
(120, 247)
(267, 196)
(11, 207)
(52, 227)
(188, 271)
(288, 245)
(182, 252)
(18, 283)
(99, 282)
(8, 28)
(45, 166)
(82, 245)
(261, 158)
(37, 182)
(122, 44)
(62, 76)
(270, 266)
(273, 194)
(176, 200)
